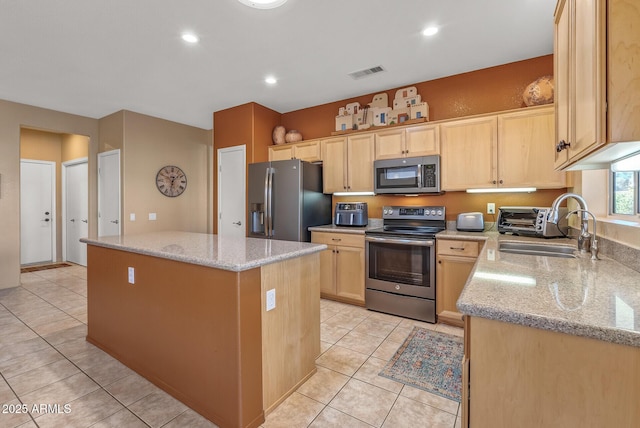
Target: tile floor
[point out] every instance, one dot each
(44, 359)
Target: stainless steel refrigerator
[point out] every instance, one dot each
(285, 199)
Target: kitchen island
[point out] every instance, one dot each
(550, 341)
(188, 312)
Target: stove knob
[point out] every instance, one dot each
(433, 212)
(439, 212)
(390, 211)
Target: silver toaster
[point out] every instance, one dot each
(351, 214)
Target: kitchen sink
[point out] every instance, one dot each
(537, 249)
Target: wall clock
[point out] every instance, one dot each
(171, 181)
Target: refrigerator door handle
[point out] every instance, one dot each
(270, 204)
(266, 202)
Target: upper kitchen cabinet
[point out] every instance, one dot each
(514, 149)
(526, 151)
(348, 163)
(422, 140)
(468, 153)
(597, 64)
(307, 151)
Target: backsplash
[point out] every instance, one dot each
(621, 253)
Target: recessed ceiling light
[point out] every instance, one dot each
(190, 38)
(430, 31)
(263, 4)
(271, 80)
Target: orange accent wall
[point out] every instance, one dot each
(476, 92)
(250, 124)
(457, 202)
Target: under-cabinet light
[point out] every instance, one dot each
(503, 190)
(354, 193)
(629, 163)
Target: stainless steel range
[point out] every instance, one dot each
(400, 262)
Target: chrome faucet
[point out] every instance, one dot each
(594, 241)
(585, 240)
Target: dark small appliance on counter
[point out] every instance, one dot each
(351, 214)
(530, 221)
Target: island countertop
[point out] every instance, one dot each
(221, 252)
(597, 299)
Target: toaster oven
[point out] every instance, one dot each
(530, 221)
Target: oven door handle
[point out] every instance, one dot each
(416, 242)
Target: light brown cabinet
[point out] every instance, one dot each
(348, 163)
(342, 266)
(597, 66)
(455, 260)
(422, 140)
(513, 149)
(307, 151)
(468, 150)
(526, 152)
(578, 381)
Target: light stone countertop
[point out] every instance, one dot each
(227, 253)
(373, 223)
(596, 299)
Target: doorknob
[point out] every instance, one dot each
(46, 219)
(73, 220)
(239, 223)
(46, 213)
(114, 221)
(85, 221)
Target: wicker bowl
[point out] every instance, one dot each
(278, 134)
(293, 136)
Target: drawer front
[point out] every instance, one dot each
(343, 239)
(457, 248)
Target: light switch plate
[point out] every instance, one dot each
(132, 275)
(132, 217)
(152, 216)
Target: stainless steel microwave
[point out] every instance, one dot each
(407, 175)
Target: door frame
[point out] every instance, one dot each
(54, 216)
(243, 148)
(101, 155)
(65, 165)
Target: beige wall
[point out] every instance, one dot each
(74, 147)
(147, 144)
(13, 118)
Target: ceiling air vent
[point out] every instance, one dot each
(366, 72)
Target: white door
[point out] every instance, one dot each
(109, 193)
(75, 214)
(231, 191)
(37, 211)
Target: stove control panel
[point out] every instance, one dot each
(413, 213)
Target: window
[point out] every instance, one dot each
(624, 180)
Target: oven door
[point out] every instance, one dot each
(401, 265)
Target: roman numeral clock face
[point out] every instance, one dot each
(171, 181)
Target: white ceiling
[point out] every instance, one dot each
(95, 57)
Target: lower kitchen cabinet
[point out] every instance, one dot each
(455, 260)
(525, 377)
(342, 266)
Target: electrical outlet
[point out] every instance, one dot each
(132, 275)
(152, 216)
(491, 208)
(132, 216)
(271, 299)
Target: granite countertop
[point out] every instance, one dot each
(227, 253)
(596, 299)
(373, 223)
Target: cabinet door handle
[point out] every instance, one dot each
(562, 145)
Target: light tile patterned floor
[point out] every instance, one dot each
(44, 359)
